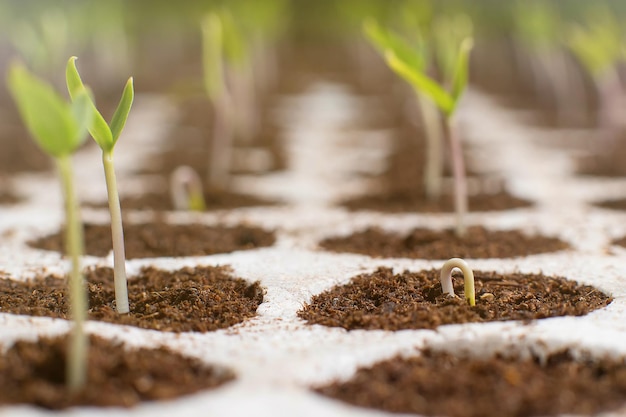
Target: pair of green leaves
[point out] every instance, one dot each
(105, 135)
(410, 63)
(57, 126)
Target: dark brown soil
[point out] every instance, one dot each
(416, 201)
(441, 384)
(34, 373)
(613, 204)
(197, 299)
(433, 244)
(621, 241)
(8, 198)
(159, 239)
(606, 158)
(215, 200)
(414, 300)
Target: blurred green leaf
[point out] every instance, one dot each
(461, 72)
(212, 55)
(383, 40)
(58, 127)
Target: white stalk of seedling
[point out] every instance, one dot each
(468, 278)
(59, 128)
(447, 101)
(216, 90)
(106, 136)
(384, 40)
(186, 189)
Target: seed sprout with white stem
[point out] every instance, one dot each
(468, 278)
(106, 136)
(59, 128)
(186, 189)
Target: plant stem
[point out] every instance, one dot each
(117, 233)
(468, 277)
(433, 171)
(460, 180)
(219, 164)
(609, 90)
(76, 363)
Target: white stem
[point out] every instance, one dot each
(117, 234)
(460, 180)
(221, 150)
(186, 189)
(76, 362)
(433, 171)
(468, 277)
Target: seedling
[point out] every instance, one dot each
(599, 47)
(468, 278)
(106, 136)
(59, 128)
(447, 101)
(384, 40)
(186, 189)
(217, 92)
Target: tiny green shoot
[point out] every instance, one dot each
(468, 278)
(106, 136)
(59, 128)
(447, 101)
(186, 189)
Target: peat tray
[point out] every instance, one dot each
(414, 300)
(440, 384)
(34, 373)
(197, 299)
(160, 239)
(432, 244)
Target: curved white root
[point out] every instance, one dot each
(468, 276)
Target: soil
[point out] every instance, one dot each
(606, 159)
(8, 198)
(441, 384)
(160, 239)
(621, 242)
(197, 299)
(34, 373)
(434, 244)
(414, 300)
(613, 204)
(215, 199)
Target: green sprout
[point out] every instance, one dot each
(468, 278)
(213, 51)
(186, 189)
(599, 47)
(384, 40)
(59, 128)
(106, 136)
(447, 101)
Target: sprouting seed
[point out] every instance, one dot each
(468, 278)
(186, 189)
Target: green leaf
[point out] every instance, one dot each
(123, 109)
(461, 70)
(422, 83)
(212, 55)
(48, 117)
(99, 129)
(82, 112)
(384, 40)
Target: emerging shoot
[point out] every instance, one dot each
(106, 136)
(468, 277)
(59, 128)
(186, 189)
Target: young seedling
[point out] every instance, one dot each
(186, 189)
(468, 278)
(215, 88)
(106, 136)
(447, 101)
(384, 40)
(599, 47)
(59, 128)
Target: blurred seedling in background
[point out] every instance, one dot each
(453, 48)
(186, 189)
(106, 136)
(599, 46)
(468, 278)
(59, 128)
